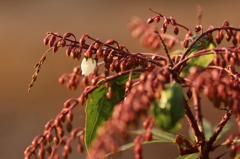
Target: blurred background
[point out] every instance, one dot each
(23, 25)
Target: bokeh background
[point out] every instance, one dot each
(23, 25)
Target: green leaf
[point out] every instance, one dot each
(235, 142)
(207, 129)
(170, 108)
(189, 156)
(130, 145)
(159, 135)
(99, 108)
(201, 61)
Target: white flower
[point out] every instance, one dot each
(88, 65)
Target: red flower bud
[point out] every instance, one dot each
(150, 20)
(51, 41)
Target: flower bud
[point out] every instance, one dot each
(67, 34)
(185, 43)
(148, 135)
(172, 21)
(175, 30)
(189, 94)
(45, 41)
(216, 61)
(198, 28)
(68, 51)
(225, 23)
(99, 53)
(111, 42)
(157, 19)
(228, 36)
(70, 116)
(82, 41)
(164, 29)
(150, 20)
(69, 127)
(55, 49)
(51, 41)
(62, 43)
(56, 140)
(223, 63)
(49, 137)
(80, 148)
(234, 41)
(88, 66)
(109, 93)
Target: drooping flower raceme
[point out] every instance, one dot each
(88, 65)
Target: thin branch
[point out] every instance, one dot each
(198, 110)
(199, 15)
(38, 68)
(165, 50)
(202, 35)
(219, 128)
(193, 124)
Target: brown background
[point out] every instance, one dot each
(23, 25)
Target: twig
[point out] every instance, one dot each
(199, 15)
(165, 50)
(37, 68)
(198, 110)
(219, 128)
(193, 124)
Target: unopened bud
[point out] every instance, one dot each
(157, 19)
(51, 41)
(198, 28)
(45, 41)
(175, 30)
(164, 29)
(225, 23)
(150, 20)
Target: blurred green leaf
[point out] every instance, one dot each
(130, 145)
(99, 108)
(207, 129)
(159, 135)
(170, 108)
(235, 142)
(201, 61)
(189, 156)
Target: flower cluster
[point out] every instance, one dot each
(218, 81)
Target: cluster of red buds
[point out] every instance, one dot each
(148, 36)
(218, 81)
(55, 136)
(126, 114)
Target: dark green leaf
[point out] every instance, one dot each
(189, 156)
(170, 108)
(201, 61)
(99, 108)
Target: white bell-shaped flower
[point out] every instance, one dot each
(88, 65)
